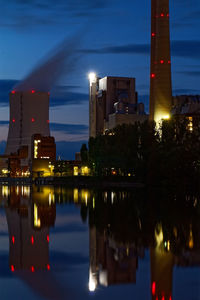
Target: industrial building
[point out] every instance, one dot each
(160, 76)
(113, 101)
(29, 134)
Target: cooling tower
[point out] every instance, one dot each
(160, 85)
(29, 114)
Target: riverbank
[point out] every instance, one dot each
(76, 181)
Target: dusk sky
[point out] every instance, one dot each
(108, 37)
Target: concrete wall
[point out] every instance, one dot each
(29, 114)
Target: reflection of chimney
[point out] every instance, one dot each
(29, 242)
(161, 274)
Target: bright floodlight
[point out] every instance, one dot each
(92, 77)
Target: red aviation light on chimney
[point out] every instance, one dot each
(153, 75)
(32, 120)
(13, 239)
(12, 268)
(32, 240)
(169, 61)
(163, 297)
(162, 61)
(153, 288)
(13, 120)
(48, 267)
(32, 269)
(33, 91)
(48, 238)
(168, 15)
(162, 15)
(13, 92)
(170, 298)
(153, 34)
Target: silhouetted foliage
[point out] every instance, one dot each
(169, 153)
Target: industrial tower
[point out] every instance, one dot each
(160, 77)
(29, 114)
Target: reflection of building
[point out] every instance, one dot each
(113, 101)
(111, 262)
(28, 225)
(160, 81)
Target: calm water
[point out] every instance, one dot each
(58, 243)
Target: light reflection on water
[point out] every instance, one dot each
(70, 243)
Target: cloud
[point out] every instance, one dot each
(60, 95)
(69, 128)
(18, 14)
(182, 48)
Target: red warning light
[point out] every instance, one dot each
(32, 120)
(12, 268)
(13, 92)
(162, 15)
(47, 238)
(32, 269)
(167, 15)
(169, 61)
(13, 120)
(32, 240)
(33, 91)
(153, 34)
(153, 288)
(13, 239)
(48, 267)
(163, 297)
(48, 121)
(170, 298)
(153, 75)
(162, 61)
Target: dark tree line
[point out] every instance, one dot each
(169, 153)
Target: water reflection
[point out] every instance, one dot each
(123, 227)
(29, 214)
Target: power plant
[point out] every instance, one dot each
(29, 114)
(160, 77)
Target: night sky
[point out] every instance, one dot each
(111, 38)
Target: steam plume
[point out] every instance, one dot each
(59, 61)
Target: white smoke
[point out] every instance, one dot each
(47, 73)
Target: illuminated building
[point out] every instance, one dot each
(43, 147)
(160, 77)
(112, 102)
(187, 106)
(29, 114)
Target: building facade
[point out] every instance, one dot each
(113, 101)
